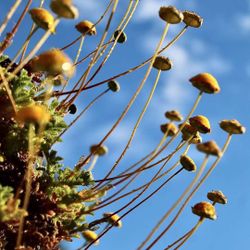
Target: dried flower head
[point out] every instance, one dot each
(201, 123)
(86, 28)
(43, 19)
(114, 86)
(205, 82)
(192, 19)
(64, 8)
(99, 150)
(33, 114)
(217, 196)
(72, 109)
(122, 36)
(170, 14)
(113, 219)
(174, 115)
(169, 128)
(162, 63)
(232, 127)
(188, 163)
(90, 236)
(205, 209)
(53, 62)
(189, 131)
(210, 148)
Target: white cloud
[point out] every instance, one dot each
(244, 23)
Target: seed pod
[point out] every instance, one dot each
(64, 8)
(99, 150)
(201, 123)
(169, 128)
(189, 131)
(114, 86)
(206, 83)
(33, 114)
(195, 139)
(192, 19)
(187, 163)
(210, 148)
(86, 28)
(217, 196)
(174, 115)
(72, 109)
(232, 127)
(122, 36)
(90, 236)
(170, 14)
(43, 19)
(205, 209)
(53, 62)
(113, 220)
(162, 63)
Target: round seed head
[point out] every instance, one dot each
(86, 28)
(64, 8)
(99, 150)
(72, 109)
(33, 114)
(187, 163)
(217, 196)
(232, 127)
(205, 209)
(188, 131)
(162, 63)
(114, 220)
(90, 236)
(53, 62)
(174, 115)
(192, 19)
(195, 140)
(43, 19)
(205, 82)
(122, 36)
(114, 86)
(201, 123)
(210, 148)
(169, 128)
(170, 14)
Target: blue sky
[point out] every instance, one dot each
(221, 47)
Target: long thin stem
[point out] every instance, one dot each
(9, 15)
(131, 101)
(28, 178)
(194, 190)
(166, 215)
(135, 127)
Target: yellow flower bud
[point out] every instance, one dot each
(64, 8)
(99, 150)
(113, 219)
(43, 19)
(210, 148)
(90, 236)
(206, 83)
(232, 127)
(53, 62)
(33, 114)
(170, 14)
(192, 19)
(174, 115)
(205, 209)
(169, 128)
(201, 123)
(86, 28)
(217, 196)
(187, 163)
(162, 63)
